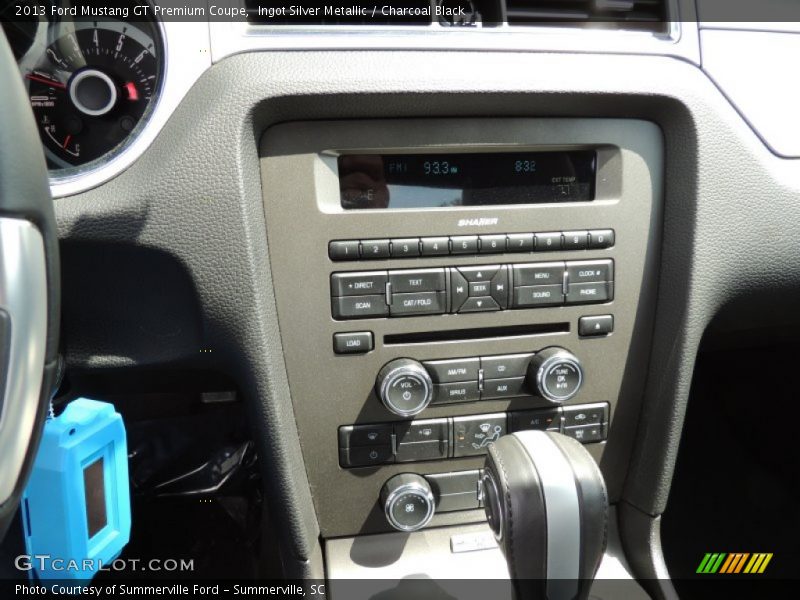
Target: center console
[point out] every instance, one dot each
(445, 282)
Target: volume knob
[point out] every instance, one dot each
(556, 374)
(404, 387)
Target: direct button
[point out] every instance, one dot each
(590, 271)
(356, 342)
(449, 371)
(359, 307)
(417, 280)
(358, 284)
(539, 274)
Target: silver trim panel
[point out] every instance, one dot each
(563, 513)
(23, 295)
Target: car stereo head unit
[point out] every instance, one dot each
(376, 181)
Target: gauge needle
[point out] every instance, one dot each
(55, 84)
(66, 141)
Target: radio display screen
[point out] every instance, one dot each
(375, 181)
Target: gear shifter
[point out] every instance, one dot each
(546, 502)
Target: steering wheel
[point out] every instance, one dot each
(29, 288)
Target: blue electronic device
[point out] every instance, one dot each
(77, 507)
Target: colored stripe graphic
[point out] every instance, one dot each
(735, 562)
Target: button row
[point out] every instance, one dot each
(410, 292)
(480, 378)
(596, 239)
(454, 437)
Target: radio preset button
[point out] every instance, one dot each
(492, 244)
(417, 280)
(435, 246)
(549, 273)
(419, 303)
(576, 240)
(520, 242)
(358, 284)
(375, 249)
(343, 250)
(538, 295)
(464, 244)
(359, 307)
(601, 238)
(479, 304)
(404, 247)
(449, 371)
(547, 242)
(590, 271)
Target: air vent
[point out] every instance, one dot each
(624, 14)
(304, 13)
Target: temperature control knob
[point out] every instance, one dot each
(556, 374)
(408, 502)
(404, 387)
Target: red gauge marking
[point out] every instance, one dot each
(55, 84)
(66, 141)
(133, 93)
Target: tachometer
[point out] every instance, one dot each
(90, 84)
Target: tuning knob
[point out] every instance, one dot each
(556, 374)
(408, 502)
(404, 387)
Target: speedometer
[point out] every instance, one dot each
(91, 84)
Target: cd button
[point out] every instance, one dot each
(503, 367)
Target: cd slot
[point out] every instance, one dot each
(482, 333)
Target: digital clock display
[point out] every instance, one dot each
(375, 181)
